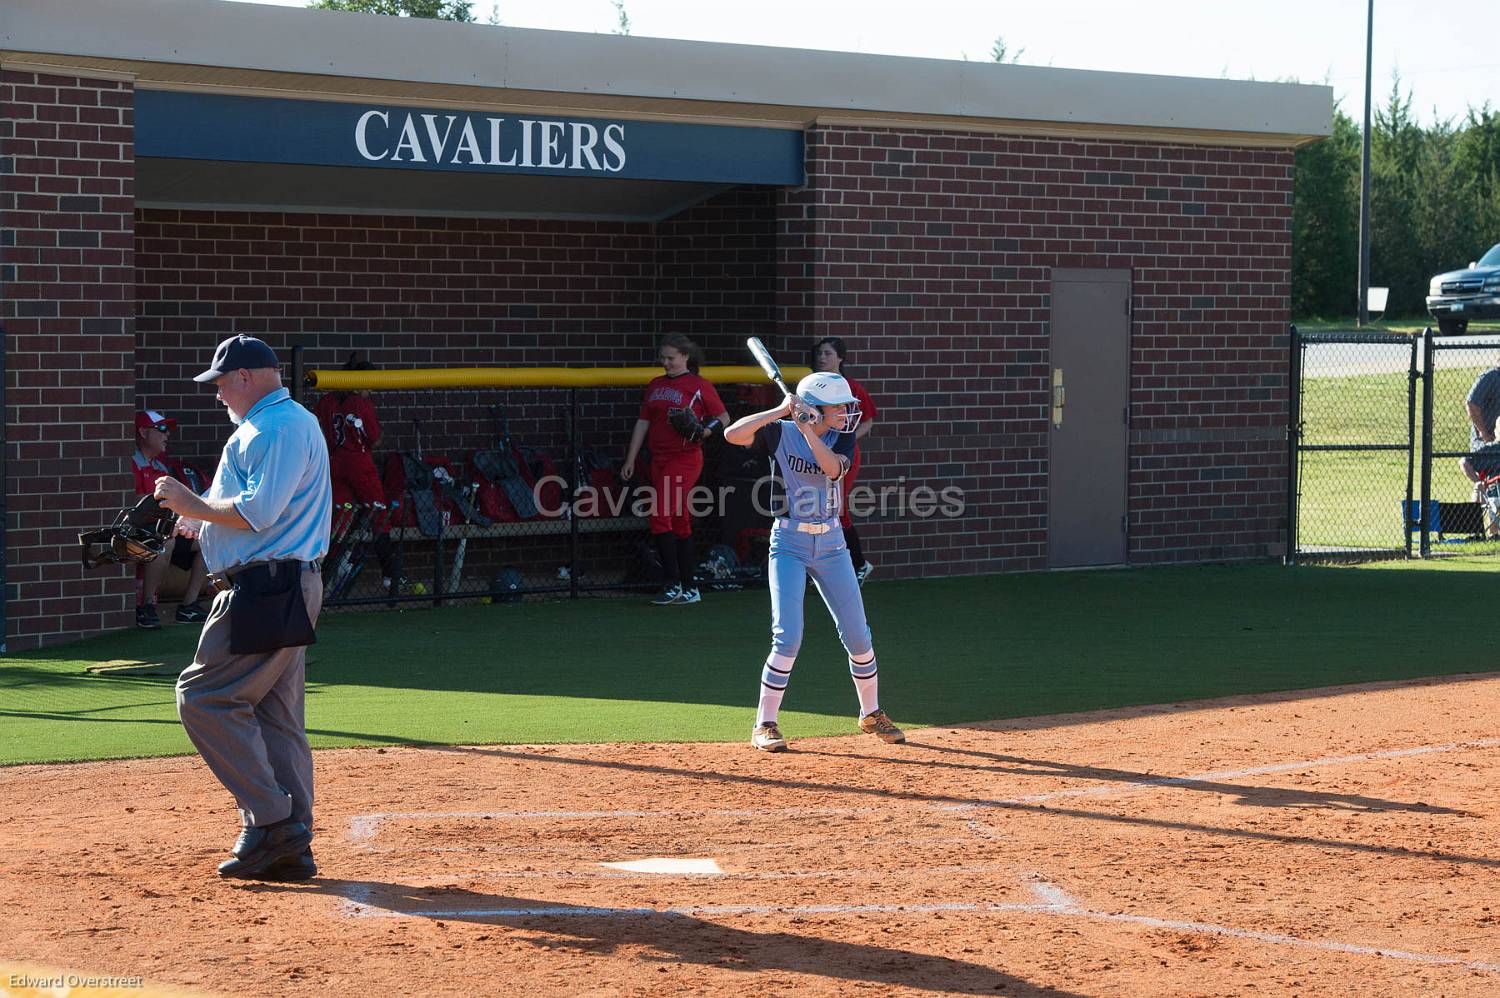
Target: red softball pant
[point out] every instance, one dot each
(356, 481)
(673, 477)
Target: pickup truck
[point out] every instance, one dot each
(1460, 295)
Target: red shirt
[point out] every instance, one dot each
(682, 392)
(348, 424)
(147, 472)
(866, 404)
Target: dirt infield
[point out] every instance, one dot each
(1319, 843)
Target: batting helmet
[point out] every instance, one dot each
(827, 388)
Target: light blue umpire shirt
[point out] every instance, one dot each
(275, 468)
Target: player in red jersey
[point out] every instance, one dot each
(150, 462)
(828, 354)
(351, 428)
(679, 411)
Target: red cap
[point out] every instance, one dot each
(150, 417)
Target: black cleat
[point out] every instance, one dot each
(261, 847)
(299, 867)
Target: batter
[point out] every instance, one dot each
(809, 453)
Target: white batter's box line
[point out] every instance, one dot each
(1151, 783)
(924, 871)
(363, 827)
(1053, 901)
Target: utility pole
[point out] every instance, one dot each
(1364, 180)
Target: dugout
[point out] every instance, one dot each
(1066, 289)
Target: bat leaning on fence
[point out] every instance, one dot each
(344, 516)
(455, 577)
(351, 557)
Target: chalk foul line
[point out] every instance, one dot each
(1136, 786)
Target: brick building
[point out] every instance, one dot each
(1067, 290)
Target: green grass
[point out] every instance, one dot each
(1410, 325)
(950, 650)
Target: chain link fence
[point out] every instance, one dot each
(1462, 489)
(1382, 442)
(500, 495)
(1351, 445)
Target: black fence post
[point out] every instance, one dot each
(572, 512)
(1293, 436)
(1427, 384)
(1411, 440)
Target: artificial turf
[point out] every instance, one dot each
(952, 650)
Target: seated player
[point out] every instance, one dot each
(351, 429)
(150, 462)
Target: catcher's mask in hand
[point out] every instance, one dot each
(137, 537)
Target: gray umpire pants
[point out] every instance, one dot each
(245, 715)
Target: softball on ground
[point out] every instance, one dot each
(485, 600)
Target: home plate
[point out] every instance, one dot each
(663, 864)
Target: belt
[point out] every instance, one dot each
(804, 528)
(224, 581)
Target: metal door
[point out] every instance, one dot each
(1089, 416)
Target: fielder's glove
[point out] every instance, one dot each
(684, 422)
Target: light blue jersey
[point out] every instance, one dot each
(275, 468)
(801, 492)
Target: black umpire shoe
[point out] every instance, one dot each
(146, 617)
(299, 867)
(261, 847)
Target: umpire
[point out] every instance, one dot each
(263, 526)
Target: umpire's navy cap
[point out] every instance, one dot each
(237, 352)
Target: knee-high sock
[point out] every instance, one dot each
(666, 550)
(385, 551)
(863, 670)
(773, 679)
(685, 566)
(856, 550)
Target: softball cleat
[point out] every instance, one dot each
(670, 596)
(878, 724)
(768, 738)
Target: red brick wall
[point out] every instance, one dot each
(404, 291)
(717, 277)
(931, 253)
(67, 276)
(419, 292)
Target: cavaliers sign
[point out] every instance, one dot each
(171, 125)
(532, 143)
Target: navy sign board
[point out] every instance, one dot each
(171, 125)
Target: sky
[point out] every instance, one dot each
(1441, 49)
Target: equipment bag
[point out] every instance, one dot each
(511, 496)
(419, 486)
